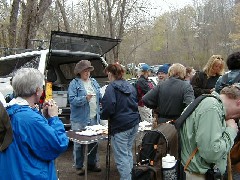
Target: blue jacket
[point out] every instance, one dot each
(80, 109)
(36, 143)
(119, 104)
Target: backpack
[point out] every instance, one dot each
(161, 141)
(155, 144)
(226, 82)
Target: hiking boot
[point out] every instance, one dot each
(94, 168)
(80, 171)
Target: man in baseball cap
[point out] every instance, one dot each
(163, 72)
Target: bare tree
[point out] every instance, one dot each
(12, 31)
(32, 16)
(65, 19)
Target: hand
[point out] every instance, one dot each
(211, 90)
(50, 108)
(231, 123)
(88, 97)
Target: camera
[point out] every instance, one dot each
(213, 174)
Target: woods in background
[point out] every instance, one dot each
(188, 35)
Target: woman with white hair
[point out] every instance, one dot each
(37, 140)
(171, 96)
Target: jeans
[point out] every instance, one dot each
(122, 150)
(78, 149)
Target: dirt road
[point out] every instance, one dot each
(66, 171)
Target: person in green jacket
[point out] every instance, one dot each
(210, 131)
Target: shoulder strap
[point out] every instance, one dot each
(191, 107)
(190, 158)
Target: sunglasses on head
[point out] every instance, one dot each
(219, 58)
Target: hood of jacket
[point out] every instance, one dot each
(123, 86)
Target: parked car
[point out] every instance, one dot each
(57, 64)
(152, 79)
(140, 65)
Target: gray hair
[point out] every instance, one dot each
(232, 92)
(26, 81)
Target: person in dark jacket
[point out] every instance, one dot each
(119, 106)
(162, 72)
(203, 82)
(171, 96)
(143, 86)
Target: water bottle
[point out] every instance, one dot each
(169, 167)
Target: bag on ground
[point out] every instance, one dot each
(155, 145)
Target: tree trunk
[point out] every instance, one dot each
(23, 32)
(12, 30)
(110, 23)
(121, 27)
(32, 16)
(65, 20)
(89, 17)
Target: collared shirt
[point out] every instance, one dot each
(19, 101)
(206, 129)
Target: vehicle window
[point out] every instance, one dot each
(68, 69)
(9, 66)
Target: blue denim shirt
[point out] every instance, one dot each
(79, 106)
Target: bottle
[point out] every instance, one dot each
(169, 167)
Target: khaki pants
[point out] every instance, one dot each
(194, 176)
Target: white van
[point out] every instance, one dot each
(58, 62)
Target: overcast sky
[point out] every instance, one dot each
(161, 6)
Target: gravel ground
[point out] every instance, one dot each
(66, 171)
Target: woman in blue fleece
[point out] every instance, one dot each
(37, 140)
(119, 105)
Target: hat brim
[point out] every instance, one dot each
(91, 68)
